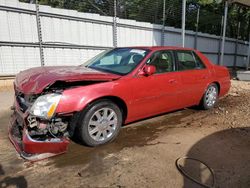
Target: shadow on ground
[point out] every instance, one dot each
(138, 135)
(18, 181)
(228, 153)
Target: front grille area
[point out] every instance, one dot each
(22, 103)
(17, 131)
(25, 101)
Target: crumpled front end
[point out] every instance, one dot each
(35, 138)
(40, 127)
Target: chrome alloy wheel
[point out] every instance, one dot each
(102, 124)
(211, 96)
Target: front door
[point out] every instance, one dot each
(159, 92)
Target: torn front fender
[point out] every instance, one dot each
(31, 149)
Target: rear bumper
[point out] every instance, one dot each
(29, 148)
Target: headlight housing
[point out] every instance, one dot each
(45, 105)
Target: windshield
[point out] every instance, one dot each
(118, 61)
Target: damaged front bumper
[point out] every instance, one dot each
(26, 146)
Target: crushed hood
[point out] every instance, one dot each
(35, 80)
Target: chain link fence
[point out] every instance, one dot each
(71, 31)
(200, 16)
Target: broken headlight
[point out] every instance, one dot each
(45, 105)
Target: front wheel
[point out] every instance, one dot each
(100, 123)
(210, 97)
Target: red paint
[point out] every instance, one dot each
(33, 147)
(34, 151)
(34, 80)
(145, 95)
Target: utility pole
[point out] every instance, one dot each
(248, 55)
(224, 33)
(197, 27)
(39, 32)
(163, 22)
(115, 26)
(184, 4)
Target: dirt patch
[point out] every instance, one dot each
(145, 152)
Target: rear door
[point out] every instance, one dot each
(194, 76)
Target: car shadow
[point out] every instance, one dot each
(8, 181)
(150, 128)
(227, 152)
(1, 170)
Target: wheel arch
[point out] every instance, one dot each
(218, 86)
(77, 115)
(209, 83)
(117, 100)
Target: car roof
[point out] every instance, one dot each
(161, 47)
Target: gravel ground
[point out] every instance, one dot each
(144, 154)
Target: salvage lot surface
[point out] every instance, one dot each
(145, 152)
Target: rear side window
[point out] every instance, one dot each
(199, 63)
(187, 60)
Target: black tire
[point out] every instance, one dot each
(204, 103)
(85, 117)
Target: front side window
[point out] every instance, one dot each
(118, 61)
(187, 60)
(163, 61)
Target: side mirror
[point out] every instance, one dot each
(148, 70)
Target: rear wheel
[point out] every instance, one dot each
(210, 97)
(100, 123)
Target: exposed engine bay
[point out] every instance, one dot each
(38, 129)
(42, 129)
(35, 136)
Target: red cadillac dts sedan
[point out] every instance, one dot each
(93, 100)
